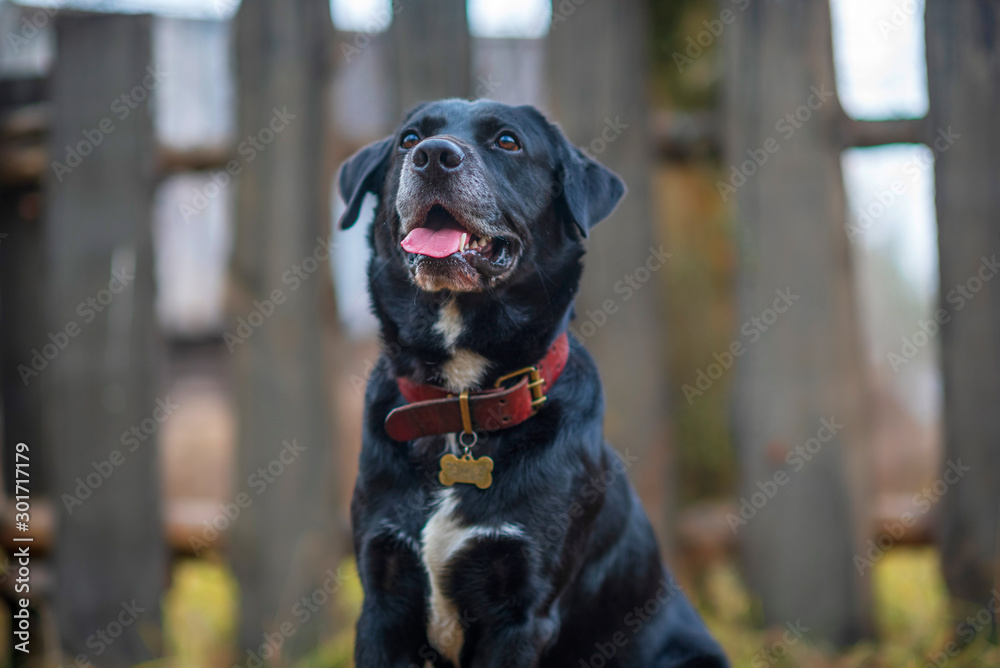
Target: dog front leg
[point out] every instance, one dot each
(519, 646)
(390, 634)
(392, 628)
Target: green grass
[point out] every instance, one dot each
(199, 615)
(911, 609)
(911, 613)
(338, 652)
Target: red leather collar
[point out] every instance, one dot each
(434, 410)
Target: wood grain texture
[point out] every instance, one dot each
(432, 53)
(598, 65)
(963, 53)
(798, 547)
(22, 328)
(109, 550)
(285, 541)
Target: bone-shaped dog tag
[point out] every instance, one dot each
(467, 470)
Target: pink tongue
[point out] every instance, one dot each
(433, 243)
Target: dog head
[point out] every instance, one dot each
(474, 195)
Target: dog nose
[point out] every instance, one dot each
(437, 156)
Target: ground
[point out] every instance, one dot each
(911, 612)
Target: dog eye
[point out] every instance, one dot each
(508, 142)
(410, 139)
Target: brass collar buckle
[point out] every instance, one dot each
(535, 384)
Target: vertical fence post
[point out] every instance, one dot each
(431, 44)
(799, 381)
(110, 559)
(598, 77)
(285, 540)
(963, 68)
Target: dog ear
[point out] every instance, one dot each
(363, 173)
(591, 190)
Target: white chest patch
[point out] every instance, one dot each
(442, 538)
(449, 324)
(465, 369)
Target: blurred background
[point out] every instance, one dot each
(809, 385)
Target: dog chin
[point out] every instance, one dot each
(452, 274)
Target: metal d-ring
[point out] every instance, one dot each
(466, 447)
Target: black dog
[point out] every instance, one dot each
(532, 549)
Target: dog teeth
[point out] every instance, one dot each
(474, 243)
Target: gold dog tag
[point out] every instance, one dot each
(467, 470)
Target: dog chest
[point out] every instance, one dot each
(443, 539)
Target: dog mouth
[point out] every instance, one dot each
(443, 238)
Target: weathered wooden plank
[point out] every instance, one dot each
(511, 71)
(963, 69)
(876, 133)
(799, 381)
(687, 136)
(22, 325)
(284, 541)
(23, 91)
(173, 160)
(110, 559)
(598, 79)
(431, 42)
